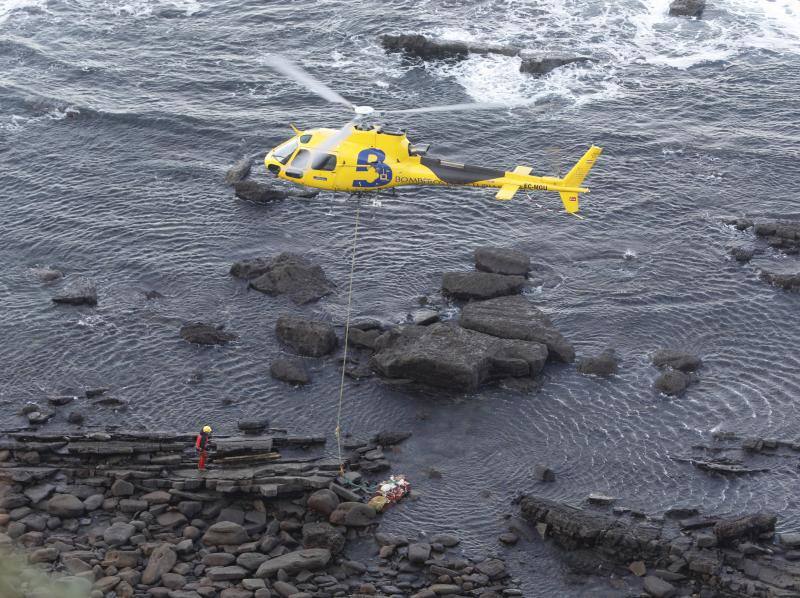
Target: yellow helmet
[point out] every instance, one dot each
(207, 429)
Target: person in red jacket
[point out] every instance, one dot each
(201, 446)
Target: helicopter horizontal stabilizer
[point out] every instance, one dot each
(506, 192)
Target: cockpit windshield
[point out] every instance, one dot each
(283, 151)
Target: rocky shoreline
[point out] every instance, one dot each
(128, 515)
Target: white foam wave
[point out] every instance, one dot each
(9, 6)
(618, 34)
(145, 8)
(16, 122)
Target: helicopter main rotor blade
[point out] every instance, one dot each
(460, 107)
(286, 67)
(329, 145)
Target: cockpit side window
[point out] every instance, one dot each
(305, 138)
(284, 151)
(321, 161)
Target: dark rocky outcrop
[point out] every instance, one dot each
(516, 318)
(127, 515)
(258, 192)
(605, 364)
(311, 338)
(448, 356)
(728, 563)
(742, 254)
(78, 291)
(687, 8)
(500, 260)
(480, 285)
(678, 360)
(422, 47)
(287, 273)
(290, 369)
(206, 334)
(542, 66)
(783, 235)
(239, 171)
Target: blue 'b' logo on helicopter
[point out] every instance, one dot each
(373, 158)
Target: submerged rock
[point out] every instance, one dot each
(672, 382)
(542, 66)
(449, 356)
(206, 334)
(687, 8)
(287, 273)
(47, 274)
(500, 260)
(744, 528)
(480, 285)
(784, 280)
(258, 192)
(80, 291)
(311, 338)
(239, 171)
(290, 369)
(605, 364)
(516, 318)
(677, 360)
(742, 254)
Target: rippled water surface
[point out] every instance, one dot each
(119, 119)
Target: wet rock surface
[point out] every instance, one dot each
(542, 66)
(480, 285)
(604, 365)
(311, 338)
(500, 260)
(687, 8)
(245, 528)
(206, 334)
(77, 291)
(516, 318)
(286, 274)
(678, 360)
(446, 355)
(290, 369)
(425, 48)
(725, 556)
(239, 171)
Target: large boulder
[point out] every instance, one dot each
(501, 260)
(65, 506)
(80, 291)
(323, 535)
(542, 66)
(353, 514)
(312, 559)
(480, 285)
(161, 561)
(516, 318)
(743, 528)
(323, 501)
(206, 334)
(311, 338)
(288, 274)
(118, 533)
(677, 360)
(225, 533)
(452, 357)
(687, 8)
(291, 370)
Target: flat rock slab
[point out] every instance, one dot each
(311, 338)
(516, 318)
(449, 356)
(80, 291)
(286, 274)
(480, 285)
(500, 260)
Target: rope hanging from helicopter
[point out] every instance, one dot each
(338, 430)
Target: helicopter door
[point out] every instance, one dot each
(313, 168)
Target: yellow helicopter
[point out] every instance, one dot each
(362, 157)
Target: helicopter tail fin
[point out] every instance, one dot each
(575, 177)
